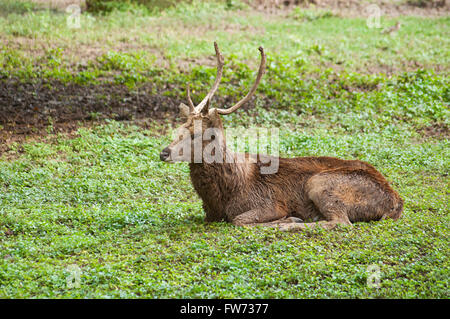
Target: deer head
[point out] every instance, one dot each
(202, 133)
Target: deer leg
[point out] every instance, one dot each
(335, 197)
(261, 217)
(323, 223)
(351, 196)
(284, 220)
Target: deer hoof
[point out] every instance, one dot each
(291, 227)
(295, 220)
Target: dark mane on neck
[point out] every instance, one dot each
(218, 183)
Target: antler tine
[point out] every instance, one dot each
(191, 104)
(220, 63)
(262, 66)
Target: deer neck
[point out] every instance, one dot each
(218, 182)
(229, 170)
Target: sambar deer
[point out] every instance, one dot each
(304, 192)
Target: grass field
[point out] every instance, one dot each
(98, 199)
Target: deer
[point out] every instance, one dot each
(303, 193)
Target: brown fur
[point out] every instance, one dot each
(328, 190)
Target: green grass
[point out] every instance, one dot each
(103, 201)
(8, 7)
(187, 32)
(134, 226)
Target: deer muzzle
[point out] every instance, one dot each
(165, 154)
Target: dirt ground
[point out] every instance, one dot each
(33, 110)
(351, 8)
(341, 7)
(59, 4)
(29, 109)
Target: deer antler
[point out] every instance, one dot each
(191, 104)
(220, 63)
(253, 89)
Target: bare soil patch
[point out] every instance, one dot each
(357, 8)
(438, 130)
(60, 4)
(29, 109)
(33, 110)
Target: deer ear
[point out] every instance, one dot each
(184, 110)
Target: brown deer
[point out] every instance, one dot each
(304, 192)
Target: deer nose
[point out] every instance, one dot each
(165, 153)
